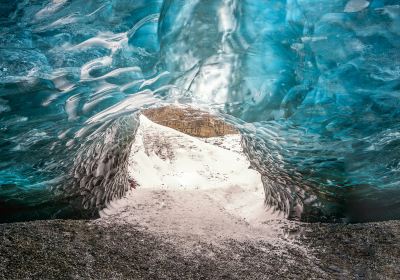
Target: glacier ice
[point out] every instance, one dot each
(317, 82)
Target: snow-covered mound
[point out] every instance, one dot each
(190, 184)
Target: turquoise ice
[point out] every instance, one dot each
(313, 85)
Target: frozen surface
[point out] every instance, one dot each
(186, 185)
(313, 85)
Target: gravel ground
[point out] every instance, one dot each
(61, 249)
(356, 251)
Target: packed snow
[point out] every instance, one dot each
(188, 184)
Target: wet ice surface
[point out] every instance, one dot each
(356, 5)
(316, 81)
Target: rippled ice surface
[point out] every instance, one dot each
(313, 85)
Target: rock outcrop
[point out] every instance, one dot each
(190, 121)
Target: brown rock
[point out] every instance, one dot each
(190, 121)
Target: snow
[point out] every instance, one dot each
(189, 184)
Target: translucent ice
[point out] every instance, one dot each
(317, 82)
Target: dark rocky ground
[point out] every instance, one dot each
(90, 250)
(356, 251)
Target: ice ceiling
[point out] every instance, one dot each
(314, 86)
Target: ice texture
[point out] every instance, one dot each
(312, 84)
